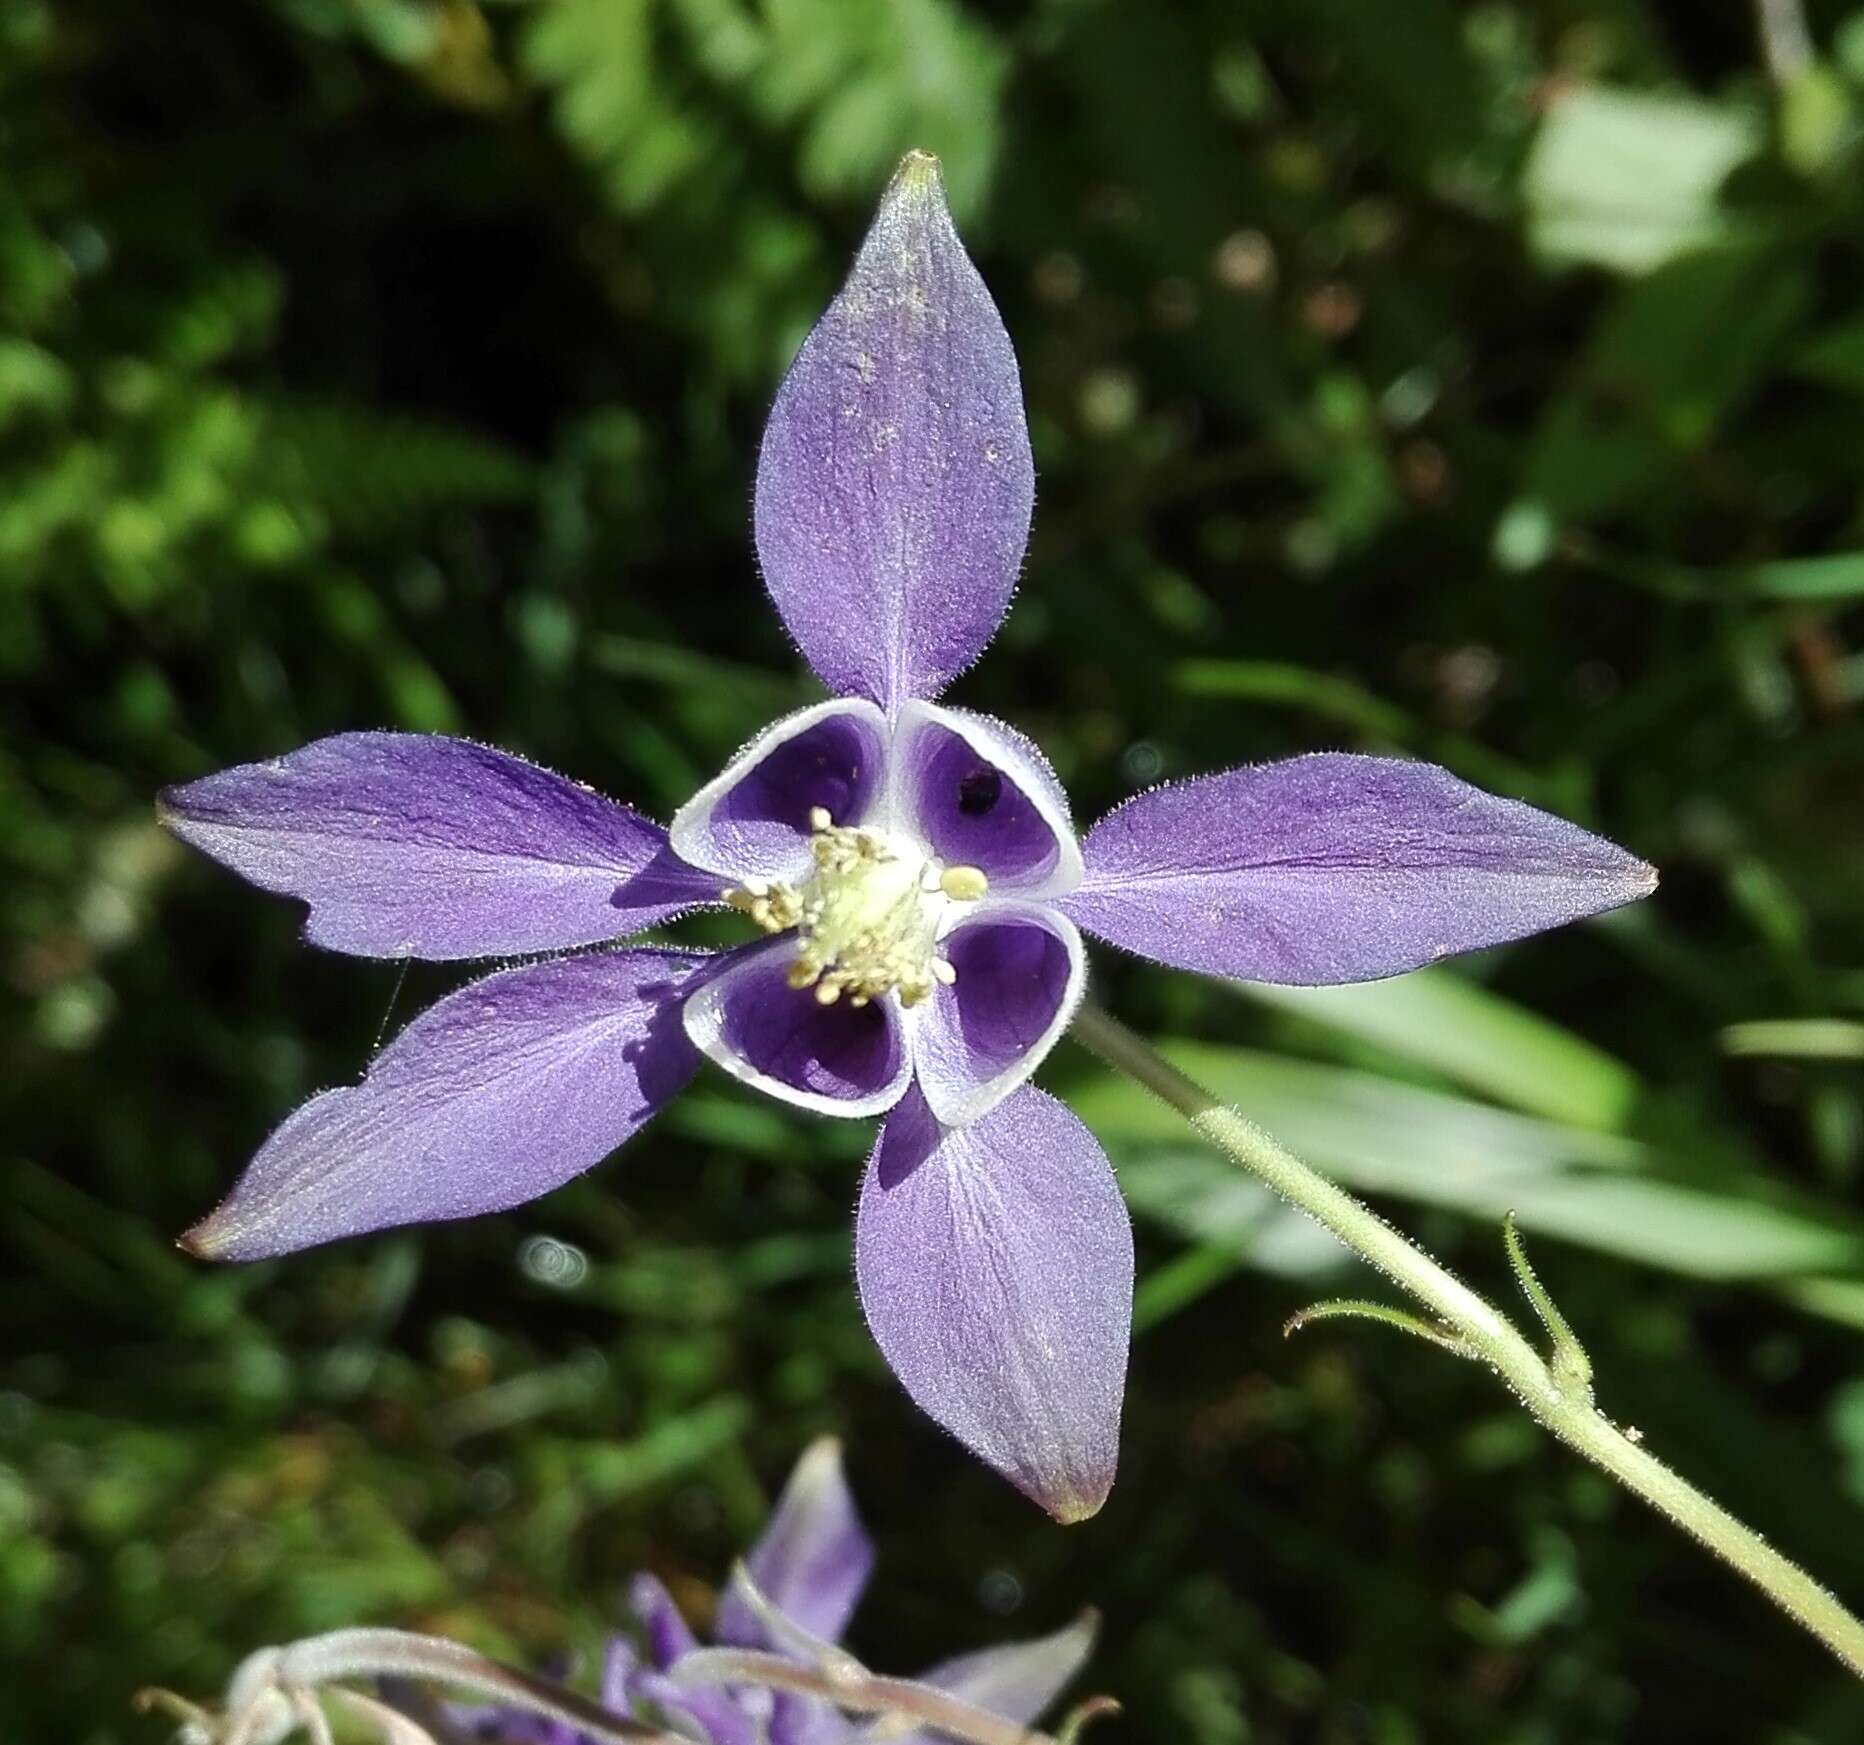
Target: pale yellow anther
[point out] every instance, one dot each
(963, 884)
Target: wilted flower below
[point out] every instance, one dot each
(774, 1674)
(792, 1597)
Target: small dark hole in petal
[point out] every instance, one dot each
(979, 792)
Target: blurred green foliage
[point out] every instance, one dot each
(1479, 381)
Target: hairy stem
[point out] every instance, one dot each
(1558, 1397)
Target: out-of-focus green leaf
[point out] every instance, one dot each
(360, 470)
(1673, 358)
(1630, 179)
(32, 380)
(1181, 1281)
(1613, 1194)
(867, 80)
(1339, 700)
(871, 79)
(1846, 1415)
(1230, 1210)
(1802, 1038)
(612, 102)
(1817, 120)
(1834, 576)
(1324, 694)
(1835, 357)
(1444, 1021)
(613, 1469)
(629, 657)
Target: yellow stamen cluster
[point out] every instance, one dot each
(775, 908)
(866, 918)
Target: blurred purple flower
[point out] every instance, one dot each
(792, 1599)
(918, 875)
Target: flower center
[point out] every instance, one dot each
(866, 918)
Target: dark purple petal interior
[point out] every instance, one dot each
(1012, 975)
(503, 1724)
(840, 1051)
(971, 811)
(836, 764)
(759, 822)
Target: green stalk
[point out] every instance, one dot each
(1557, 1395)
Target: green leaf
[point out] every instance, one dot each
(1797, 1038)
(612, 100)
(1613, 1194)
(1835, 576)
(611, 1469)
(361, 471)
(871, 79)
(1325, 695)
(1183, 1187)
(1182, 1281)
(1332, 698)
(1630, 179)
(1835, 357)
(32, 382)
(1441, 1020)
(1675, 355)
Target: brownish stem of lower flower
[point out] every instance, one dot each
(856, 1691)
(1558, 1396)
(274, 1692)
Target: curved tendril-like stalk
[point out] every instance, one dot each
(274, 1692)
(1359, 1309)
(277, 1692)
(1556, 1390)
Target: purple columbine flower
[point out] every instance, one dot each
(791, 1599)
(915, 876)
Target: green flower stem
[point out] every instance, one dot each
(1557, 1396)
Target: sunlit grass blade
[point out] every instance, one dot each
(1610, 1193)
(1796, 1038)
(1475, 1038)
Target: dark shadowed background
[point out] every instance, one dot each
(1482, 382)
